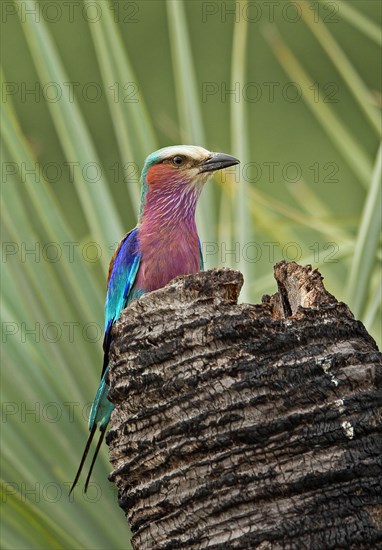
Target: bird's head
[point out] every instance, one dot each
(187, 164)
(181, 170)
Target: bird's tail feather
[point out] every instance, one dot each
(84, 455)
(99, 416)
(103, 430)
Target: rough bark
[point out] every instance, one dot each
(246, 426)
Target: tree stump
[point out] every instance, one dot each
(246, 426)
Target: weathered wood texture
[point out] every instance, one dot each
(246, 426)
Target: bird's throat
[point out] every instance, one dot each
(168, 239)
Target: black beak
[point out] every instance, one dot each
(218, 161)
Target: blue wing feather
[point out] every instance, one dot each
(120, 291)
(123, 270)
(122, 277)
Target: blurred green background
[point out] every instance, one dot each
(88, 90)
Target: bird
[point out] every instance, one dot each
(163, 245)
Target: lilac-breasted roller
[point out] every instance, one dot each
(163, 245)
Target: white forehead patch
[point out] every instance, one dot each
(192, 151)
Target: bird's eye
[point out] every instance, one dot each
(178, 160)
